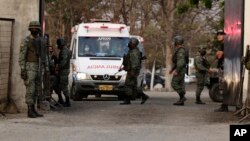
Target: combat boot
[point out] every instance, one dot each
(36, 113)
(60, 99)
(144, 98)
(31, 113)
(126, 101)
(67, 103)
(198, 100)
(223, 108)
(180, 102)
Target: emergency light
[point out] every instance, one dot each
(104, 27)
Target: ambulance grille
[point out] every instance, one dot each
(103, 77)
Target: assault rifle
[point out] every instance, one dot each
(123, 65)
(43, 72)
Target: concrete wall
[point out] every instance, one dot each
(23, 11)
(246, 42)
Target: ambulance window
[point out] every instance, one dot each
(102, 46)
(74, 49)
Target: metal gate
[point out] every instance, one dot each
(6, 35)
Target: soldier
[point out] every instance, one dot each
(132, 66)
(54, 77)
(140, 77)
(179, 69)
(220, 56)
(28, 61)
(202, 68)
(63, 66)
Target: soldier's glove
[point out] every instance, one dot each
(24, 74)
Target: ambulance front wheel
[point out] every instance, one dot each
(215, 93)
(74, 94)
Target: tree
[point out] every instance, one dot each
(158, 21)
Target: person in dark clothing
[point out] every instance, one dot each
(54, 77)
(220, 57)
(63, 66)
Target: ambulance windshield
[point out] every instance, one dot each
(102, 46)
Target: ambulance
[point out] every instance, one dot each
(97, 49)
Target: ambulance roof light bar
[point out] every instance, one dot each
(100, 21)
(104, 27)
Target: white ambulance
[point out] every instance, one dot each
(97, 54)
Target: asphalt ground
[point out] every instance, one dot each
(104, 119)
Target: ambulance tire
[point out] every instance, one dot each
(75, 95)
(215, 93)
(120, 97)
(98, 95)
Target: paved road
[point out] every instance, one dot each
(106, 120)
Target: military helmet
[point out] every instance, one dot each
(202, 50)
(133, 41)
(60, 42)
(178, 40)
(220, 32)
(34, 24)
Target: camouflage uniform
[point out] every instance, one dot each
(179, 69)
(140, 77)
(211, 55)
(64, 66)
(29, 64)
(180, 64)
(219, 46)
(132, 65)
(133, 70)
(28, 61)
(202, 68)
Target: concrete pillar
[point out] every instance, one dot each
(246, 42)
(22, 11)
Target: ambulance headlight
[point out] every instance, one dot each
(82, 76)
(124, 77)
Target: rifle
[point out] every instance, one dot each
(124, 64)
(43, 76)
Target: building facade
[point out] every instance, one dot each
(15, 16)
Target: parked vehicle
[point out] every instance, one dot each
(97, 54)
(159, 81)
(188, 78)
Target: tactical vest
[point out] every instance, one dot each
(67, 65)
(205, 63)
(174, 57)
(31, 52)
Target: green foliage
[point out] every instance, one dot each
(194, 2)
(208, 3)
(182, 8)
